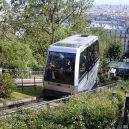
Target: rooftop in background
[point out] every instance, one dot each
(108, 25)
(119, 65)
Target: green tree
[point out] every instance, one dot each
(44, 22)
(115, 51)
(6, 85)
(49, 15)
(3, 5)
(16, 55)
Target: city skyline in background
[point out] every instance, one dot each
(111, 2)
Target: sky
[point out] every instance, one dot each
(113, 2)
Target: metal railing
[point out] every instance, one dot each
(24, 73)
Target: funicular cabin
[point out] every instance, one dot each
(72, 65)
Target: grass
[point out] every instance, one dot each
(31, 91)
(19, 94)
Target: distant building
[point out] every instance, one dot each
(122, 34)
(117, 30)
(114, 18)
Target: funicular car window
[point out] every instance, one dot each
(60, 67)
(88, 58)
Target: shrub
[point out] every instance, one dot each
(86, 111)
(102, 79)
(116, 78)
(6, 85)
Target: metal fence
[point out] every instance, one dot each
(24, 74)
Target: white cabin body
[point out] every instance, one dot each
(72, 64)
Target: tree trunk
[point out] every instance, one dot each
(53, 29)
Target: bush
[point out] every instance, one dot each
(116, 78)
(6, 85)
(102, 79)
(87, 111)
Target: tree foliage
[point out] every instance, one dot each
(115, 51)
(40, 23)
(89, 111)
(3, 5)
(15, 55)
(6, 85)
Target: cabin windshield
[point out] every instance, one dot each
(60, 67)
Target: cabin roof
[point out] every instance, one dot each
(76, 41)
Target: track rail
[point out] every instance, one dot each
(56, 102)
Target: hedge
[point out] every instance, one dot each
(87, 111)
